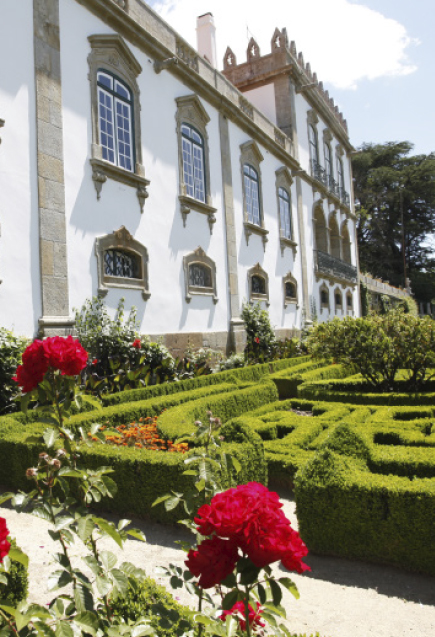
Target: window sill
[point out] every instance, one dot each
(187, 204)
(288, 243)
(197, 291)
(124, 283)
(103, 170)
(252, 228)
(255, 296)
(291, 301)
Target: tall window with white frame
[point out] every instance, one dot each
(252, 194)
(340, 175)
(285, 212)
(115, 114)
(314, 146)
(328, 166)
(193, 162)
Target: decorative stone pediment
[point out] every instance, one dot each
(327, 135)
(112, 50)
(251, 154)
(192, 111)
(312, 117)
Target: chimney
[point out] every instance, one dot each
(206, 38)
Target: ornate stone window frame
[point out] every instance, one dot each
(290, 300)
(195, 257)
(121, 239)
(250, 154)
(257, 270)
(285, 180)
(190, 111)
(346, 249)
(323, 305)
(338, 306)
(110, 53)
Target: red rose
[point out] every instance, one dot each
(95, 361)
(239, 609)
(34, 366)
(65, 354)
(137, 344)
(4, 544)
(257, 340)
(251, 517)
(213, 561)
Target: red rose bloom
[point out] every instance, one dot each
(239, 608)
(4, 544)
(137, 344)
(251, 517)
(257, 340)
(213, 561)
(63, 354)
(34, 366)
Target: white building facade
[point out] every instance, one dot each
(130, 167)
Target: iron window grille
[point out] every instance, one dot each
(258, 285)
(121, 264)
(200, 276)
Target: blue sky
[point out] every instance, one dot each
(376, 57)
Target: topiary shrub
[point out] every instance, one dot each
(149, 599)
(379, 346)
(11, 349)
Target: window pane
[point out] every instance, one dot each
(284, 212)
(199, 276)
(252, 194)
(290, 290)
(258, 285)
(188, 167)
(122, 90)
(122, 264)
(105, 80)
(198, 172)
(123, 128)
(314, 151)
(105, 109)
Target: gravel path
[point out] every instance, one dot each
(339, 598)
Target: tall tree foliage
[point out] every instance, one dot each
(395, 201)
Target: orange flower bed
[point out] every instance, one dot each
(143, 435)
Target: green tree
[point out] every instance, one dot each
(395, 201)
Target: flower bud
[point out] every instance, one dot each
(31, 473)
(61, 453)
(56, 464)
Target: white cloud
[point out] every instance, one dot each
(344, 42)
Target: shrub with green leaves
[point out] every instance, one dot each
(260, 335)
(379, 346)
(11, 349)
(15, 590)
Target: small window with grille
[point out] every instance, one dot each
(258, 284)
(324, 298)
(121, 263)
(200, 275)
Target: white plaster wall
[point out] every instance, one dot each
(263, 98)
(20, 291)
(160, 228)
(271, 260)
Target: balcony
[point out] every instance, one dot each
(318, 172)
(333, 186)
(344, 197)
(335, 268)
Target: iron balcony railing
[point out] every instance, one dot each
(327, 264)
(344, 196)
(318, 172)
(333, 186)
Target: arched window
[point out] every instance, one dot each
(122, 262)
(115, 112)
(334, 237)
(290, 290)
(200, 275)
(285, 212)
(345, 243)
(349, 303)
(252, 194)
(338, 300)
(320, 230)
(313, 143)
(116, 148)
(328, 164)
(193, 162)
(340, 174)
(324, 297)
(258, 284)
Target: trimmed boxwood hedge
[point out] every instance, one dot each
(344, 509)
